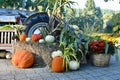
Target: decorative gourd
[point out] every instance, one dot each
(36, 37)
(74, 65)
(56, 53)
(49, 38)
(8, 56)
(41, 41)
(22, 37)
(28, 39)
(22, 59)
(57, 64)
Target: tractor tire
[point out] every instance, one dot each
(36, 21)
(33, 22)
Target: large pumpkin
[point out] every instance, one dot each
(22, 37)
(36, 37)
(22, 59)
(57, 64)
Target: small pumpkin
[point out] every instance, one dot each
(41, 41)
(74, 65)
(22, 59)
(36, 37)
(57, 64)
(28, 39)
(22, 37)
(49, 38)
(8, 56)
(56, 53)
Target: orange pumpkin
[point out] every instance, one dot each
(22, 59)
(57, 64)
(36, 37)
(22, 37)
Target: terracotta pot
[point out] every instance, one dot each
(100, 59)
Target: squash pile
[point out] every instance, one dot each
(58, 62)
(37, 37)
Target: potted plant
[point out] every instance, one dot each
(100, 51)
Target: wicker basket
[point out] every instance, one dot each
(100, 59)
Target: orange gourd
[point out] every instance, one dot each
(22, 37)
(57, 64)
(36, 37)
(22, 59)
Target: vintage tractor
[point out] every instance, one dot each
(33, 21)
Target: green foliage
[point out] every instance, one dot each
(19, 29)
(116, 19)
(90, 5)
(107, 26)
(69, 53)
(76, 21)
(58, 7)
(69, 45)
(88, 31)
(116, 23)
(92, 15)
(116, 28)
(6, 27)
(10, 3)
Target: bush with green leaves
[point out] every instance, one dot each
(116, 23)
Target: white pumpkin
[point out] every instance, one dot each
(59, 52)
(28, 39)
(41, 41)
(8, 56)
(74, 65)
(49, 38)
(56, 53)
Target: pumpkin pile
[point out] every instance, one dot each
(22, 59)
(34, 37)
(58, 62)
(37, 37)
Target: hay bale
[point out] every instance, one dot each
(42, 52)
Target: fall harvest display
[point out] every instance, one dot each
(22, 59)
(75, 39)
